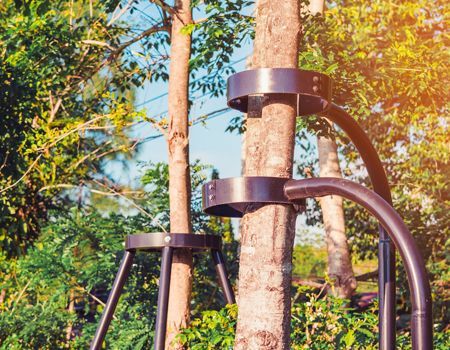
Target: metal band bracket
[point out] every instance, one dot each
(252, 86)
(233, 197)
(159, 240)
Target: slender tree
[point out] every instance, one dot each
(179, 177)
(340, 269)
(267, 234)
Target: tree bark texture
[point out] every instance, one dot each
(267, 233)
(340, 268)
(179, 171)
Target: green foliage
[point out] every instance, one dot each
(57, 100)
(74, 262)
(215, 39)
(214, 330)
(317, 323)
(309, 261)
(389, 66)
(323, 323)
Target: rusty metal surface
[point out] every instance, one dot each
(313, 89)
(159, 240)
(233, 197)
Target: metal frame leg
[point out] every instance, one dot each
(219, 262)
(163, 298)
(386, 292)
(113, 298)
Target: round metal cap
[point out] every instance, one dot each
(312, 89)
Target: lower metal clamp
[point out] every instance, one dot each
(233, 197)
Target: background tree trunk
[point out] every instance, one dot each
(267, 234)
(179, 171)
(340, 268)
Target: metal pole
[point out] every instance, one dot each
(421, 320)
(386, 250)
(219, 262)
(163, 298)
(113, 298)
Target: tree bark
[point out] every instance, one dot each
(340, 269)
(179, 171)
(71, 309)
(267, 234)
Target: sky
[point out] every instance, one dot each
(209, 142)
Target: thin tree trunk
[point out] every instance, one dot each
(340, 268)
(267, 234)
(2, 296)
(179, 176)
(71, 309)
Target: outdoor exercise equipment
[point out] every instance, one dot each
(249, 91)
(166, 243)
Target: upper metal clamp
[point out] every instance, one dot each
(233, 197)
(313, 89)
(159, 240)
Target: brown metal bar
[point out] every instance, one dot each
(421, 320)
(163, 298)
(222, 274)
(386, 250)
(113, 298)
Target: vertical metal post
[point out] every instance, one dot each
(386, 291)
(163, 298)
(219, 262)
(386, 253)
(113, 298)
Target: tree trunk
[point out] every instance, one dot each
(340, 268)
(179, 176)
(267, 234)
(71, 309)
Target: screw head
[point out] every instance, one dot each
(211, 187)
(315, 88)
(316, 79)
(167, 239)
(212, 197)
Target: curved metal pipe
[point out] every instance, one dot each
(421, 319)
(386, 251)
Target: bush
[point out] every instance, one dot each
(318, 323)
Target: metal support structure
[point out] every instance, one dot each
(386, 250)
(163, 298)
(235, 196)
(421, 318)
(299, 190)
(222, 274)
(166, 243)
(313, 92)
(113, 298)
